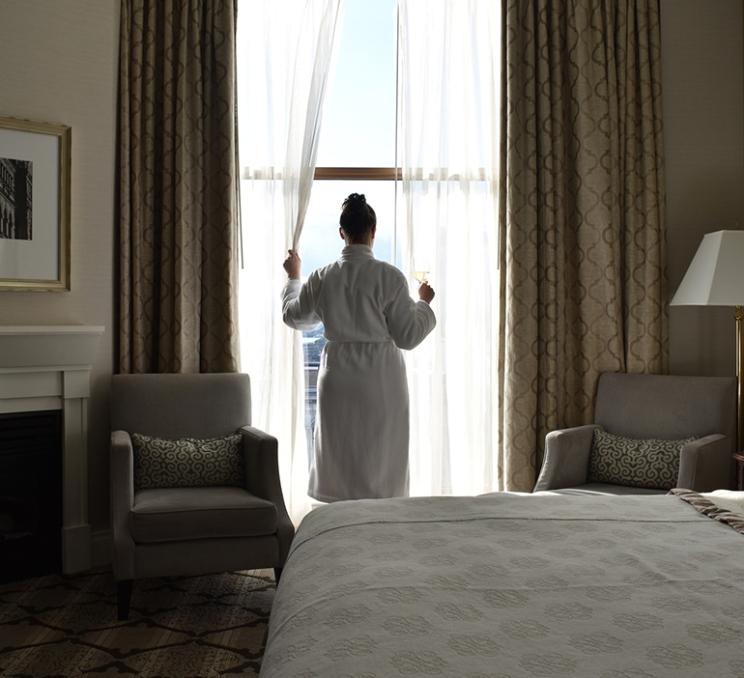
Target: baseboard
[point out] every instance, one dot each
(76, 542)
(101, 548)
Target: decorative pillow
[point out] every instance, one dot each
(635, 462)
(187, 462)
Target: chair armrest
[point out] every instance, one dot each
(122, 500)
(566, 459)
(262, 480)
(705, 464)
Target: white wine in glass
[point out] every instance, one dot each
(420, 269)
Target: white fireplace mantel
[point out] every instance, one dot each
(47, 367)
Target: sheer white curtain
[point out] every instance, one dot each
(283, 56)
(448, 148)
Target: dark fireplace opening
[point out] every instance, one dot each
(30, 494)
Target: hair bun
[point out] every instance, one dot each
(355, 200)
(357, 217)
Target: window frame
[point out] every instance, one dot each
(357, 174)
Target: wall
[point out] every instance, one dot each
(703, 99)
(59, 64)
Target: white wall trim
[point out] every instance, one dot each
(42, 367)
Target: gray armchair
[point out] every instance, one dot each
(651, 406)
(192, 530)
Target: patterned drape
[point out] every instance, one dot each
(582, 249)
(177, 190)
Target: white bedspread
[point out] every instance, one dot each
(509, 586)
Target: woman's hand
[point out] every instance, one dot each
(292, 265)
(426, 292)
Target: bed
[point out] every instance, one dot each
(511, 585)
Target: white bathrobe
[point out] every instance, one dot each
(361, 425)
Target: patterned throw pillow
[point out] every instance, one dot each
(635, 462)
(187, 462)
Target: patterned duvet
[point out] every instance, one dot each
(509, 586)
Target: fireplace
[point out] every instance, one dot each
(30, 494)
(44, 390)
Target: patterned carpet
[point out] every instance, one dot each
(190, 626)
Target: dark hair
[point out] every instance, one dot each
(357, 217)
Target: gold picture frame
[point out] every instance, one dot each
(34, 205)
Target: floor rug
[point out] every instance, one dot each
(189, 626)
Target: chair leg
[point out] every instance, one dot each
(277, 574)
(123, 596)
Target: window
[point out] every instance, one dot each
(409, 118)
(359, 112)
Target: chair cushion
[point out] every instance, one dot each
(635, 462)
(182, 513)
(188, 462)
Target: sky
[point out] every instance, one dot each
(358, 125)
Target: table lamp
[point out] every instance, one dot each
(715, 277)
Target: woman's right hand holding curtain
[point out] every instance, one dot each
(292, 265)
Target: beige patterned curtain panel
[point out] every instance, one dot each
(177, 186)
(582, 250)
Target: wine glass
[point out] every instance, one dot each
(420, 270)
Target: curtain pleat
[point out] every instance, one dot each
(177, 201)
(448, 136)
(582, 240)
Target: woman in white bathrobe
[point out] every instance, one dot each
(361, 425)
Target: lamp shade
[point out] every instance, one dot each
(715, 276)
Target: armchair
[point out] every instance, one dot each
(182, 531)
(651, 406)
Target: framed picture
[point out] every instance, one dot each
(34, 205)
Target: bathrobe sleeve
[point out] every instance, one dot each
(299, 303)
(409, 321)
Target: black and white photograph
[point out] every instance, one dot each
(16, 203)
(34, 205)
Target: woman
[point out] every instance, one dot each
(361, 426)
